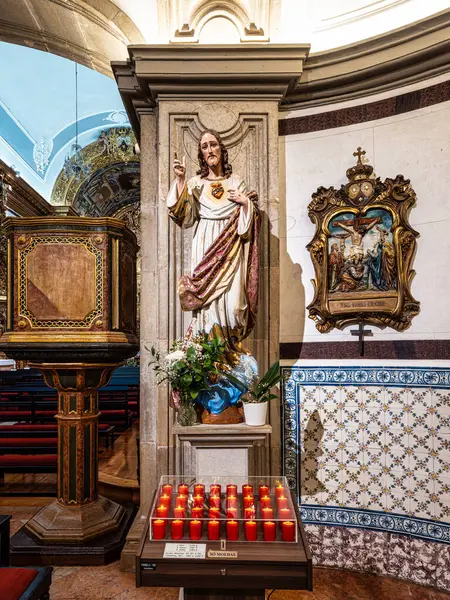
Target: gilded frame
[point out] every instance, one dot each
(362, 252)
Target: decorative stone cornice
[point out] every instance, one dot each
(401, 57)
(253, 71)
(91, 32)
(106, 15)
(22, 35)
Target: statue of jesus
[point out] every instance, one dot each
(222, 289)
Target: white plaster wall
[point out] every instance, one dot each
(415, 144)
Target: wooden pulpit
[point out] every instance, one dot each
(71, 312)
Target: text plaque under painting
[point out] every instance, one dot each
(362, 252)
(337, 306)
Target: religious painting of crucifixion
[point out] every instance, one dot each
(363, 251)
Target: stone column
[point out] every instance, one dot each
(171, 94)
(250, 133)
(154, 408)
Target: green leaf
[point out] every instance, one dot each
(190, 354)
(234, 380)
(179, 365)
(194, 394)
(187, 379)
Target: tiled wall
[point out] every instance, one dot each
(369, 448)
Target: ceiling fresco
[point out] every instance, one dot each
(113, 180)
(37, 111)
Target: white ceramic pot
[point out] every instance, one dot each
(255, 414)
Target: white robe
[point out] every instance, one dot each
(227, 305)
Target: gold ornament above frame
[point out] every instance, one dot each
(363, 251)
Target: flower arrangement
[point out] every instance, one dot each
(192, 364)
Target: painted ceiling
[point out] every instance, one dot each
(37, 111)
(37, 95)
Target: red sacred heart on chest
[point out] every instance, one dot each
(217, 190)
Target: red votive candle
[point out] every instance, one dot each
(247, 490)
(197, 512)
(183, 489)
(267, 513)
(288, 531)
(158, 529)
(232, 512)
(198, 500)
(177, 529)
(167, 489)
(214, 513)
(214, 501)
(232, 490)
(250, 531)
(232, 531)
(215, 489)
(282, 502)
(264, 490)
(231, 502)
(195, 530)
(165, 500)
(181, 501)
(199, 489)
(179, 512)
(279, 490)
(162, 512)
(213, 530)
(270, 532)
(248, 501)
(266, 502)
(250, 512)
(285, 514)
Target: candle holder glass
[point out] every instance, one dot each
(279, 524)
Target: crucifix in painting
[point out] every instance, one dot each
(362, 252)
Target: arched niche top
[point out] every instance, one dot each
(233, 10)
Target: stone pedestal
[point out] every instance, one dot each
(225, 450)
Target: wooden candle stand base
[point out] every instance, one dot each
(228, 570)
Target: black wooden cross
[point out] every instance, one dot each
(361, 333)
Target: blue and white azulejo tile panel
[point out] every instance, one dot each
(362, 443)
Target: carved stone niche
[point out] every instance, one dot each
(251, 24)
(363, 251)
(245, 137)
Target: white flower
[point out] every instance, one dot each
(174, 356)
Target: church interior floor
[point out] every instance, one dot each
(109, 583)
(120, 462)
